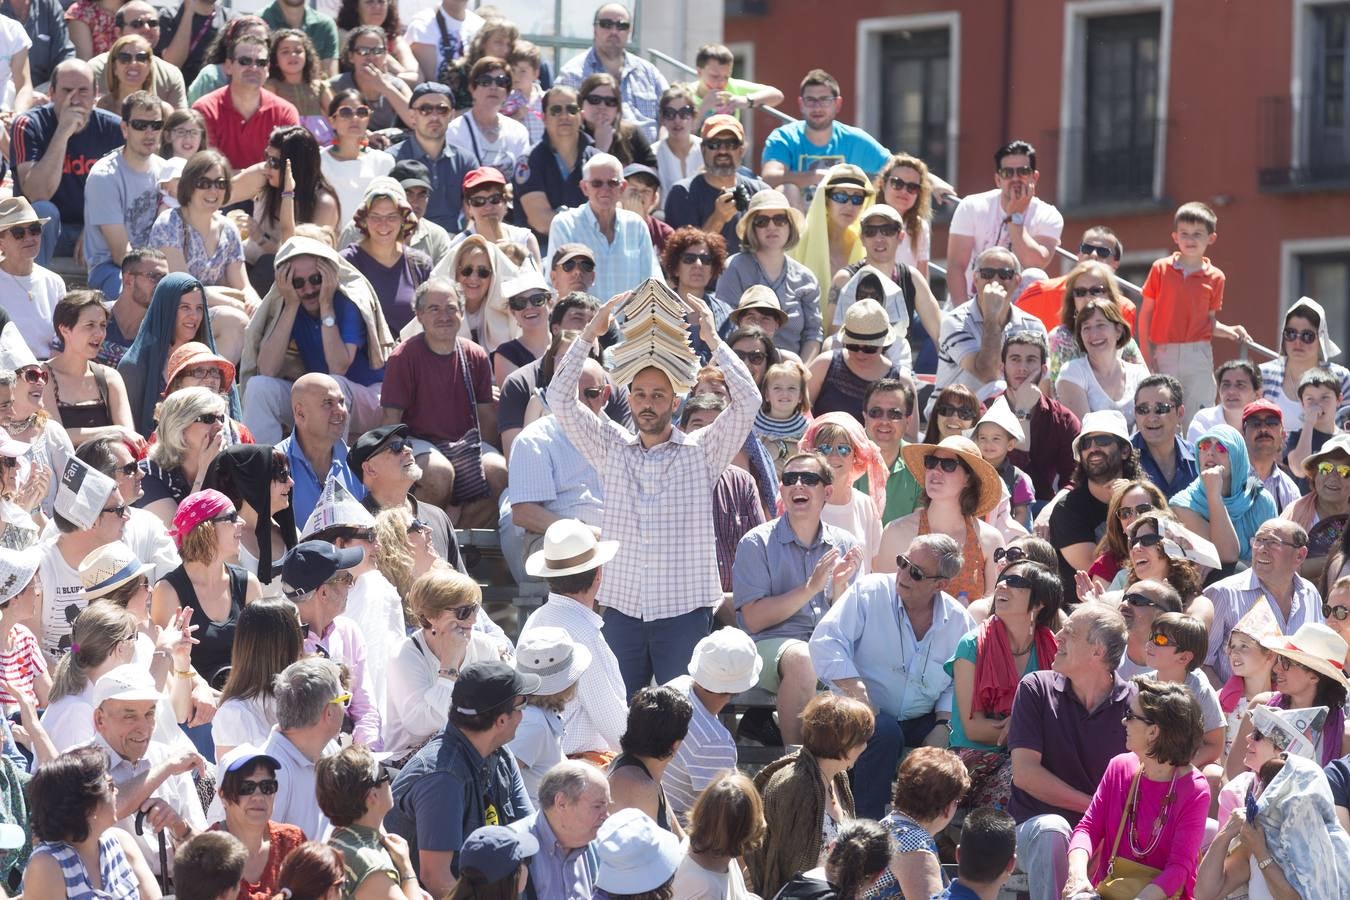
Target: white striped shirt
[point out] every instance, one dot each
(707, 749)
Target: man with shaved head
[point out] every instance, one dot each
(316, 445)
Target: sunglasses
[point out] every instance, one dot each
(841, 450)
(915, 573)
(482, 200)
(211, 419)
(597, 100)
(592, 393)
(1101, 441)
(522, 303)
(369, 51)
(585, 265)
(249, 62)
(888, 229)
(613, 24)
(1212, 444)
(1094, 250)
(1284, 664)
(846, 197)
(465, 613)
(120, 510)
(989, 273)
(1146, 540)
(127, 56)
(501, 81)
(206, 184)
(273, 162)
(19, 232)
(146, 22)
(751, 357)
(229, 518)
(1129, 512)
(398, 445)
(314, 280)
(267, 787)
(810, 479)
(670, 113)
(385, 777)
(963, 413)
(559, 109)
(716, 144)
(1097, 290)
(1138, 601)
(1013, 580)
(433, 109)
(598, 183)
(1014, 171)
(146, 124)
(1342, 470)
(1262, 422)
(869, 349)
(354, 112)
(948, 464)
(703, 259)
(894, 415)
(1157, 409)
(1011, 554)
(129, 469)
(1131, 717)
(417, 526)
(34, 375)
(282, 474)
(900, 184)
(480, 271)
(1335, 612)
(1158, 639)
(1306, 336)
(779, 219)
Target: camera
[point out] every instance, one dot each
(741, 194)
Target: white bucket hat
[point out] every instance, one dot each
(570, 548)
(1001, 414)
(551, 654)
(1102, 421)
(636, 854)
(726, 662)
(17, 568)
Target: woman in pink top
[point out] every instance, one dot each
(1162, 798)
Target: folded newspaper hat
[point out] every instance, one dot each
(336, 507)
(1291, 730)
(82, 492)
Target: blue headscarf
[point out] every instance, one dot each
(1247, 502)
(142, 368)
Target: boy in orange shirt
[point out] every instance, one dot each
(1179, 316)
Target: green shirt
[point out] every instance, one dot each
(322, 30)
(902, 491)
(735, 86)
(363, 854)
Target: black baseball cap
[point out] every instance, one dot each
(487, 686)
(411, 173)
(370, 443)
(430, 87)
(310, 564)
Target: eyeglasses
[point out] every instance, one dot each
(206, 184)
(522, 303)
(1129, 512)
(963, 413)
(846, 197)
(186, 131)
(501, 81)
(810, 479)
(1131, 717)
(599, 183)
(1158, 639)
(470, 271)
(592, 393)
(1086, 249)
(869, 349)
(1306, 336)
(670, 113)
(818, 101)
(273, 162)
(120, 510)
(702, 259)
(1342, 470)
(948, 464)
(1096, 290)
(914, 571)
(716, 144)
(779, 219)
(127, 57)
(267, 787)
(281, 474)
(433, 109)
(204, 373)
(613, 24)
(1011, 554)
(249, 62)
(1212, 444)
(571, 265)
(900, 184)
(369, 51)
(314, 280)
(1157, 409)
(1015, 171)
(888, 229)
(417, 526)
(1013, 580)
(146, 22)
(1100, 441)
(1264, 541)
(210, 419)
(1146, 540)
(752, 357)
(1138, 601)
(19, 232)
(354, 112)
(1284, 664)
(597, 100)
(480, 200)
(344, 699)
(34, 375)
(989, 273)
(894, 415)
(342, 579)
(559, 109)
(1262, 422)
(843, 451)
(1335, 612)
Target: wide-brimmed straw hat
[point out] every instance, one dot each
(991, 485)
(760, 297)
(767, 201)
(570, 548)
(1314, 646)
(195, 353)
(866, 323)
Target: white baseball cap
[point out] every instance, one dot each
(128, 682)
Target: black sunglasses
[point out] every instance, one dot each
(470, 271)
(900, 184)
(779, 219)
(1100, 441)
(670, 113)
(1158, 409)
(481, 200)
(1013, 580)
(1096, 290)
(613, 24)
(752, 357)
(810, 479)
(989, 273)
(690, 258)
(964, 413)
(519, 304)
(592, 393)
(1146, 540)
(1138, 600)
(398, 445)
(267, 787)
(1335, 612)
(19, 232)
(1011, 554)
(146, 124)
(273, 162)
(315, 280)
(597, 100)
(716, 144)
(1129, 512)
(1086, 249)
(501, 81)
(465, 613)
(206, 184)
(886, 229)
(559, 109)
(948, 464)
(354, 112)
(895, 415)
(571, 265)
(126, 57)
(211, 419)
(1014, 171)
(914, 571)
(869, 349)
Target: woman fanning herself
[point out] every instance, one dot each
(1227, 503)
(89, 399)
(293, 75)
(850, 454)
(350, 164)
(989, 662)
(959, 488)
(386, 222)
(1149, 811)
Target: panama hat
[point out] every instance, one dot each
(991, 485)
(767, 201)
(1315, 646)
(761, 297)
(570, 548)
(108, 568)
(551, 654)
(867, 324)
(18, 211)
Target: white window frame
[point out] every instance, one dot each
(1071, 99)
(1300, 59)
(1290, 251)
(868, 72)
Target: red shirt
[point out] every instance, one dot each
(430, 388)
(1044, 299)
(243, 140)
(21, 663)
(1182, 303)
(282, 840)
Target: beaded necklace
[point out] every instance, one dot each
(1140, 853)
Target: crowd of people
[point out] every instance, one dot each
(1018, 577)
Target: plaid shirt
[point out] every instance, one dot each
(640, 86)
(658, 501)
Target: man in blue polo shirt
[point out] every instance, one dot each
(432, 108)
(1168, 460)
(315, 448)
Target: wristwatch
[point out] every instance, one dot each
(329, 321)
(1263, 864)
(1017, 218)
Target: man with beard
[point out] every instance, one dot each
(1051, 426)
(1105, 455)
(241, 115)
(1263, 430)
(663, 585)
(708, 200)
(141, 271)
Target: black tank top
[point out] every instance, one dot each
(90, 414)
(624, 760)
(216, 638)
(843, 391)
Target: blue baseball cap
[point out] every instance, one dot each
(496, 851)
(308, 565)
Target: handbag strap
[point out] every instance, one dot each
(1125, 814)
(468, 381)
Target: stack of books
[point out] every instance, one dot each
(655, 334)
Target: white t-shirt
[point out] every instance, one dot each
(671, 169)
(60, 604)
(980, 216)
(1204, 420)
(239, 722)
(374, 605)
(422, 28)
(906, 254)
(859, 518)
(1079, 371)
(31, 299)
(513, 143)
(349, 177)
(693, 882)
(13, 39)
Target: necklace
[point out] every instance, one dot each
(17, 428)
(1156, 833)
(1025, 650)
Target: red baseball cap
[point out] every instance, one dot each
(483, 175)
(1261, 406)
